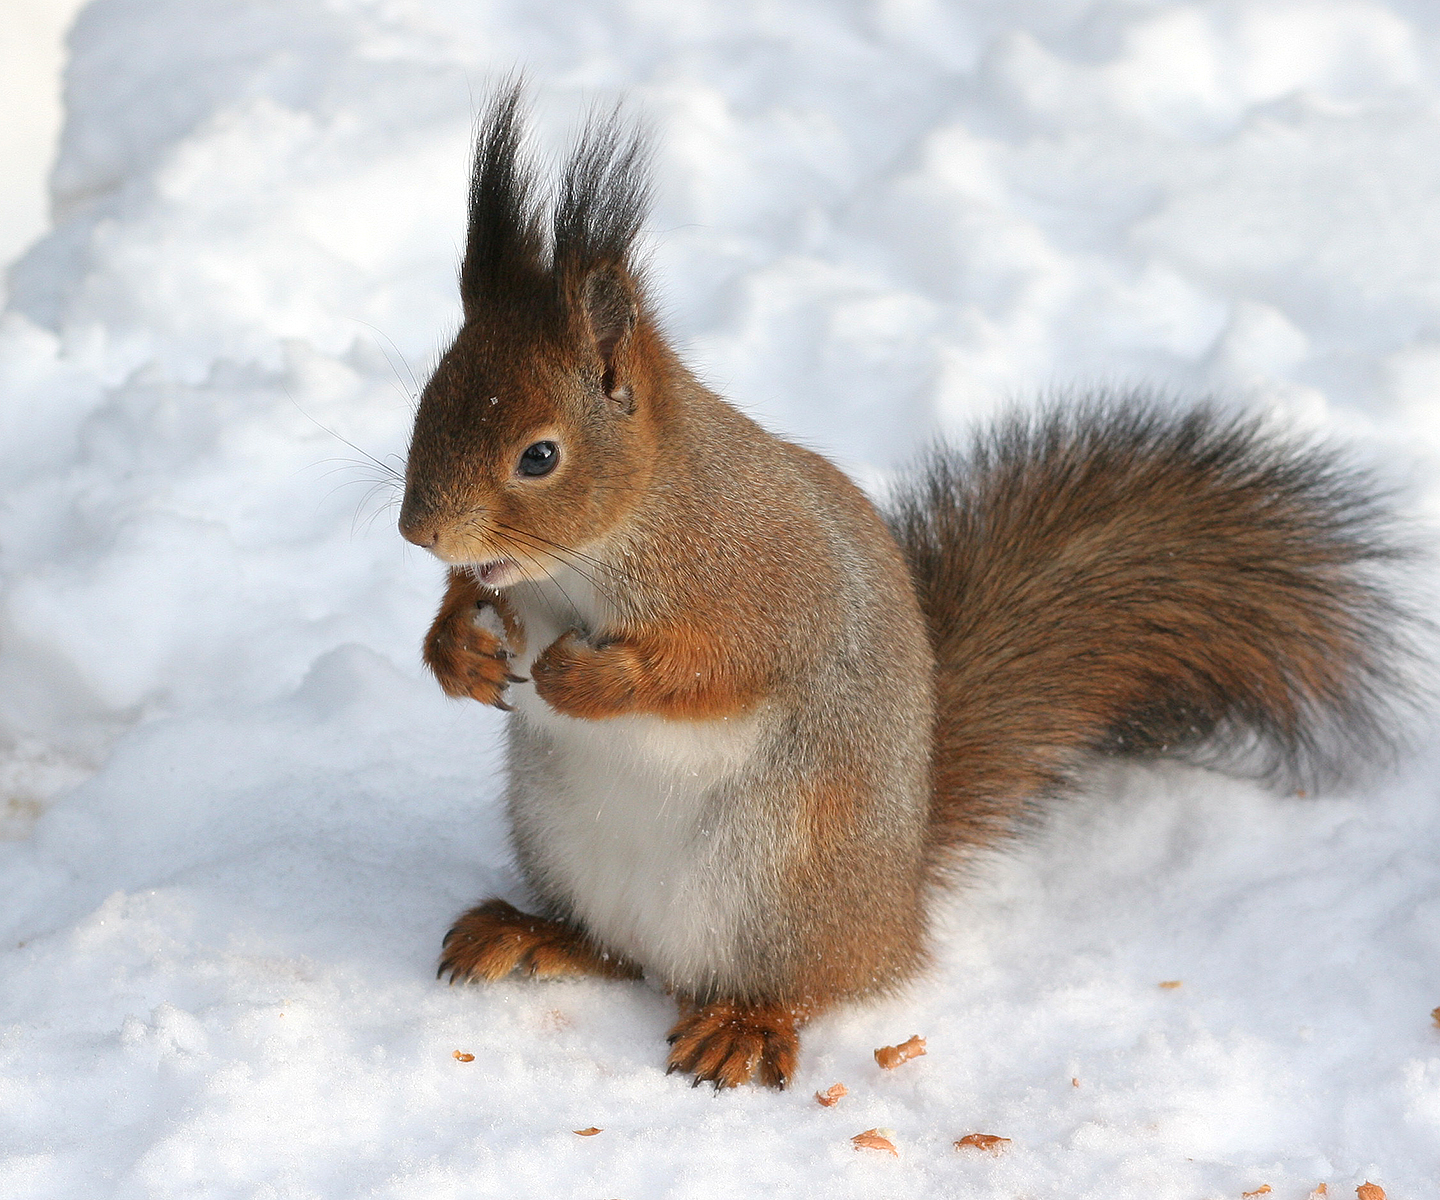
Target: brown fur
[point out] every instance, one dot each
(1117, 580)
(679, 673)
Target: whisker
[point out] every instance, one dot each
(372, 482)
(383, 482)
(390, 471)
(585, 575)
(564, 555)
(555, 616)
(568, 599)
(389, 506)
(595, 562)
(354, 464)
(538, 544)
(414, 392)
(376, 488)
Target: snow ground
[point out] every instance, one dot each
(238, 817)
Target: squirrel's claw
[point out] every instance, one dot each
(496, 939)
(470, 659)
(728, 1043)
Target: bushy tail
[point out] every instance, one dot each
(1117, 578)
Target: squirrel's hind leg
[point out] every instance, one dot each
(728, 1043)
(489, 942)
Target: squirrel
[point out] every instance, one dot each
(756, 725)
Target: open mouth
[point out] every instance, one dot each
(497, 572)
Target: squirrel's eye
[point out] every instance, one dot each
(539, 459)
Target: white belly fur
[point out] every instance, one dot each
(631, 819)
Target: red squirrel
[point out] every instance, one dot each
(754, 723)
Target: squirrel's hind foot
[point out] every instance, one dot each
(728, 1043)
(495, 939)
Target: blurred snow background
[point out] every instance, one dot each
(32, 55)
(237, 817)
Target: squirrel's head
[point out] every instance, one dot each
(536, 430)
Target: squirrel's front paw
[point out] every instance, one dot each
(466, 651)
(583, 680)
(491, 941)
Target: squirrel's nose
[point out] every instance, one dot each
(417, 526)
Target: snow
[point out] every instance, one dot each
(31, 54)
(238, 816)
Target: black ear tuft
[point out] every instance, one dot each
(505, 247)
(577, 278)
(604, 196)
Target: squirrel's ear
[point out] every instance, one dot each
(610, 313)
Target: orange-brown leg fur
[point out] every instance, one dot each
(491, 941)
(729, 1043)
(679, 673)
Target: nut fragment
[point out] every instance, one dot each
(875, 1139)
(1370, 1191)
(1434, 1015)
(591, 1132)
(1320, 1192)
(463, 1057)
(983, 1141)
(891, 1057)
(831, 1095)
(1171, 984)
(1263, 1190)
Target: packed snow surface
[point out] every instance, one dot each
(238, 816)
